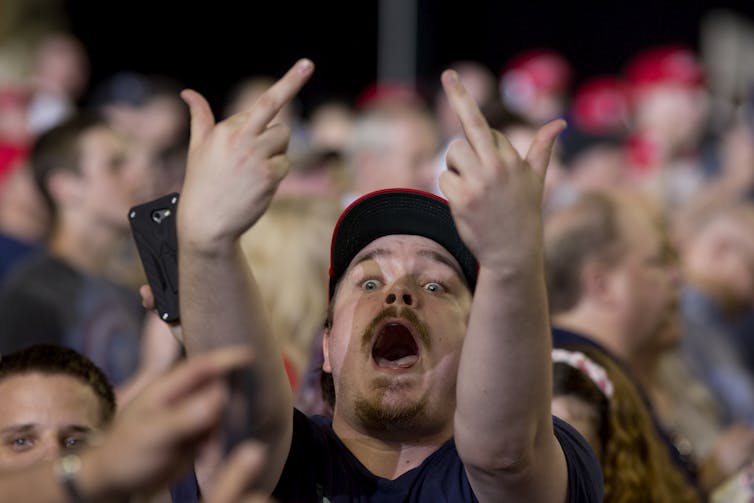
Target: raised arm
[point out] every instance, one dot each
(234, 168)
(503, 426)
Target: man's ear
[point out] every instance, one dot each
(326, 351)
(596, 281)
(65, 188)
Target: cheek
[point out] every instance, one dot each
(14, 459)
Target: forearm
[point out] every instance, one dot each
(221, 306)
(504, 380)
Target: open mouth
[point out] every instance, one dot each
(395, 347)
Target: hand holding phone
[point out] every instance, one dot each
(154, 231)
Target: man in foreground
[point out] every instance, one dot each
(427, 382)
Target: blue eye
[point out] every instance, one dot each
(73, 443)
(370, 284)
(434, 287)
(21, 443)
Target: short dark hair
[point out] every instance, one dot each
(50, 359)
(60, 149)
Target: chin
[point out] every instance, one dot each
(391, 415)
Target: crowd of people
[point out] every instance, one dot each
(448, 297)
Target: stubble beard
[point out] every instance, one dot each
(378, 417)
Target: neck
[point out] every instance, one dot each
(86, 249)
(645, 367)
(388, 458)
(593, 324)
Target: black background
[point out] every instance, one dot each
(211, 45)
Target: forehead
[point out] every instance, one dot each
(639, 228)
(36, 398)
(402, 247)
(100, 138)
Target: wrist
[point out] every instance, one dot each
(210, 246)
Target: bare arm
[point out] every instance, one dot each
(233, 170)
(503, 425)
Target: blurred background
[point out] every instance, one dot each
(212, 46)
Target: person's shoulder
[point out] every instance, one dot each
(312, 433)
(585, 482)
(40, 269)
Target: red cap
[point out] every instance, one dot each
(545, 70)
(601, 106)
(10, 156)
(671, 63)
(388, 93)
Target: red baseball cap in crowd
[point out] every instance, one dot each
(396, 211)
(601, 105)
(389, 93)
(534, 72)
(670, 63)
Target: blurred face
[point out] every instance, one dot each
(600, 168)
(732, 267)
(744, 287)
(160, 122)
(110, 180)
(44, 416)
(400, 317)
(674, 113)
(645, 284)
(409, 161)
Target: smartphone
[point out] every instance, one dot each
(154, 231)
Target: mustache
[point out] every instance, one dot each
(403, 313)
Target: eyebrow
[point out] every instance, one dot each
(76, 428)
(18, 428)
(377, 252)
(23, 428)
(431, 254)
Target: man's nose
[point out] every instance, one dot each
(50, 450)
(399, 295)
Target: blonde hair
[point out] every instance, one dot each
(288, 251)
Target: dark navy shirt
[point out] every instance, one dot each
(321, 469)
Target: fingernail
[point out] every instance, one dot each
(304, 66)
(451, 76)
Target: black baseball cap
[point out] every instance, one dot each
(396, 211)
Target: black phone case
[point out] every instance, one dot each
(154, 231)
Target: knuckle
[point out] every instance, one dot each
(266, 100)
(477, 121)
(284, 131)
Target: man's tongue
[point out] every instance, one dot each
(395, 347)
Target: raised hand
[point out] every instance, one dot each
(154, 439)
(494, 194)
(236, 475)
(234, 166)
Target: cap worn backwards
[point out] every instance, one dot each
(396, 211)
